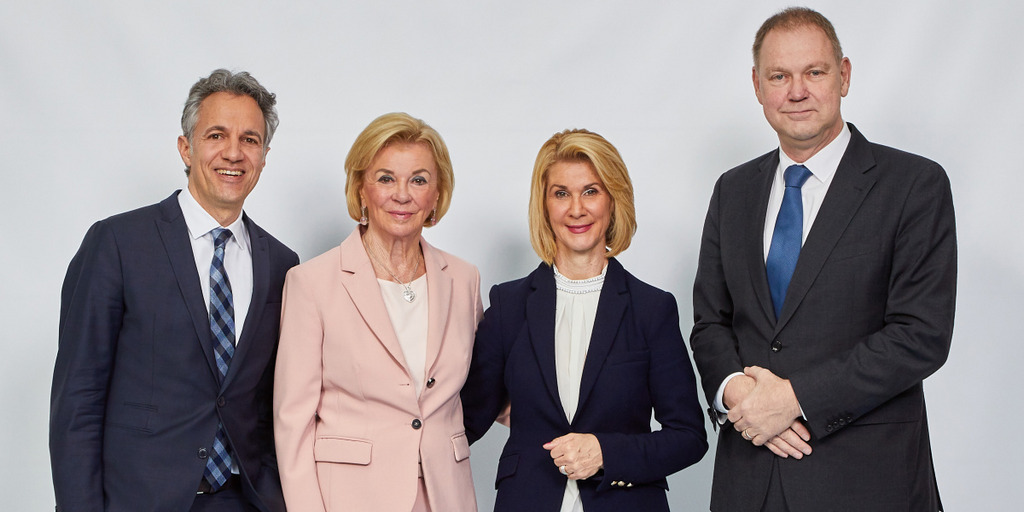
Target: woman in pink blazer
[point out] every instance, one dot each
(376, 339)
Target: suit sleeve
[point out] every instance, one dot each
(92, 305)
(914, 341)
(712, 339)
(681, 441)
(297, 390)
(484, 394)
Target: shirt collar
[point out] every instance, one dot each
(825, 162)
(200, 222)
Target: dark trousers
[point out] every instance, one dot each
(775, 501)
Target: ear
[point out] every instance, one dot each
(185, 150)
(757, 84)
(845, 68)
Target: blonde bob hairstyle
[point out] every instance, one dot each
(582, 146)
(393, 128)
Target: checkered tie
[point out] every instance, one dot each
(222, 325)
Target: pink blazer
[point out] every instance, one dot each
(349, 427)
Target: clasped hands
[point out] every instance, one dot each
(577, 456)
(764, 409)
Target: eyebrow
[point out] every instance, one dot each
(588, 185)
(219, 128)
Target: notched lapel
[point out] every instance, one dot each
(439, 294)
(540, 317)
(260, 289)
(174, 235)
(611, 307)
(360, 283)
(849, 187)
(759, 193)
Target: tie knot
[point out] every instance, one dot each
(220, 236)
(796, 175)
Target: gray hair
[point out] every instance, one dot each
(241, 83)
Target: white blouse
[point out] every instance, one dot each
(409, 320)
(575, 310)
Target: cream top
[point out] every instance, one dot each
(409, 320)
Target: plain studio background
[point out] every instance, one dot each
(91, 95)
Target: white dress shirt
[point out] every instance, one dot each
(575, 310)
(822, 165)
(237, 256)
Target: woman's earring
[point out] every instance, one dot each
(363, 220)
(433, 217)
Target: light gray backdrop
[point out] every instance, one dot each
(91, 94)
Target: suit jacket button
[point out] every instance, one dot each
(416, 423)
(430, 382)
(776, 346)
(202, 453)
(828, 428)
(221, 401)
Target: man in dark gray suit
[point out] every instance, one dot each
(824, 296)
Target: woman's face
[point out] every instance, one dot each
(579, 208)
(400, 190)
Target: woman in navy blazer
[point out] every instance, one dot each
(582, 352)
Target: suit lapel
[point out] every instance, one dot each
(439, 294)
(758, 194)
(849, 187)
(260, 284)
(540, 319)
(361, 285)
(174, 235)
(611, 307)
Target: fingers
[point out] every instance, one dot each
(801, 430)
(795, 441)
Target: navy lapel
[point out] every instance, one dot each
(611, 307)
(759, 192)
(540, 319)
(174, 235)
(849, 187)
(260, 288)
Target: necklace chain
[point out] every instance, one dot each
(408, 294)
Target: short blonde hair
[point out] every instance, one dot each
(582, 146)
(397, 127)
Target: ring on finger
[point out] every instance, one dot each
(561, 469)
(746, 436)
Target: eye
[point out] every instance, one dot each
(215, 136)
(777, 77)
(419, 180)
(250, 140)
(816, 72)
(385, 178)
(591, 191)
(561, 194)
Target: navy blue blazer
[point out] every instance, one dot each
(136, 394)
(637, 362)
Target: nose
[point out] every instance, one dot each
(401, 194)
(233, 151)
(797, 88)
(576, 209)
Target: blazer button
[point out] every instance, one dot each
(416, 423)
(202, 453)
(776, 346)
(221, 401)
(430, 382)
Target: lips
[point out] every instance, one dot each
(579, 229)
(230, 172)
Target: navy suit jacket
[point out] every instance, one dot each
(136, 394)
(868, 315)
(637, 361)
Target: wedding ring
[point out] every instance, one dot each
(745, 436)
(561, 469)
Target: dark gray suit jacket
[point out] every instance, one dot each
(136, 395)
(868, 315)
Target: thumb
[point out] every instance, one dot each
(555, 442)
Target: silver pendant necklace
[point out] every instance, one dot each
(407, 294)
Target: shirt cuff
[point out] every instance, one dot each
(719, 403)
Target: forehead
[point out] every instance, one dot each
(572, 172)
(404, 156)
(796, 46)
(231, 110)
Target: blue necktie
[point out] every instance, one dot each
(787, 238)
(222, 326)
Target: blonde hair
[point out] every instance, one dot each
(397, 127)
(582, 146)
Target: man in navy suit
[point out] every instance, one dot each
(161, 397)
(824, 297)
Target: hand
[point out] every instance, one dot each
(768, 410)
(578, 454)
(736, 390)
(792, 442)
